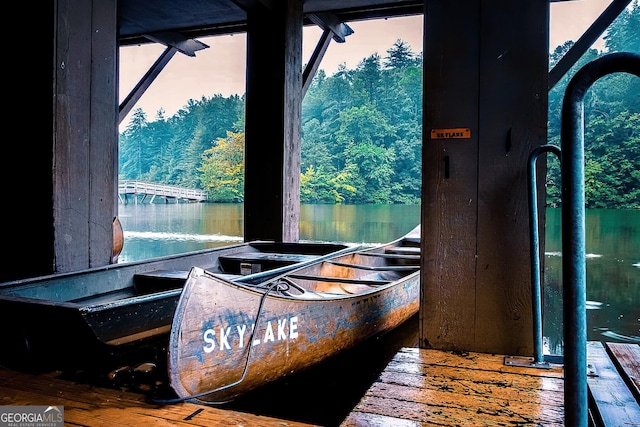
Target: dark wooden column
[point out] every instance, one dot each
(485, 106)
(272, 123)
(85, 133)
(61, 172)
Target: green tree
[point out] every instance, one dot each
(400, 55)
(223, 169)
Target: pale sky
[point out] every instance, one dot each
(220, 69)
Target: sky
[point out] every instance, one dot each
(220, 69)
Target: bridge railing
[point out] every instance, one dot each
(164, 190)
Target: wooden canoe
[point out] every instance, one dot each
(228, 338)
(92, 317)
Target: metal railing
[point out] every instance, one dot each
(536, 269)
(573, 230)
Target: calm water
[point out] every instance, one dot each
(612, 241)
(613, 287)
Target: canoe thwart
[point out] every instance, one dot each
(376, 268)
(404, 250)
(347, 280)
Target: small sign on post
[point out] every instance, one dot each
(453, 133)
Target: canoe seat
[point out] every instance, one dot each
(368, 282)
(404, 250)
(159, 280)
(255, 262)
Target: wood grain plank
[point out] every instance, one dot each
(86, 405)
(444, 388)
(627, 359)
(450, 172)
(614, 403)
(441, 413)
(469, 360)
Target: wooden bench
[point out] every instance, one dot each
(613, 380)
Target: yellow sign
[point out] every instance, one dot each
(454, 133)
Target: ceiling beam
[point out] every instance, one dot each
(328, 21)
(184, 45)
(586, 40)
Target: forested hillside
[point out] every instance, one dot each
(362, 134)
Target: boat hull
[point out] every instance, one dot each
(229, 338)
(105, 316)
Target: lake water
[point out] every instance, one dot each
(612, 242)
(613, 287)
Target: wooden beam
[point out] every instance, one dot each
(85, 134)
(486, 101)
(141, 87)
(272, 124)
(449, 174)
(586, 40)
(328, 21)
(314, 62)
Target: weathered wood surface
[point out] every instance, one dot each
(627, 359)
(431, 387)
(228, 338)
(614, 404)
(85, 405)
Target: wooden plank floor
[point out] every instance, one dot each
(85, 405)
(418, 387)
(430, 387)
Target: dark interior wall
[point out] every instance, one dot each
(27, 158)
(60, 168)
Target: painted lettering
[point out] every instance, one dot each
(256, 341)
(224, 338)
(281, 333)
(241, 331)
(268, 333)
(209, 340)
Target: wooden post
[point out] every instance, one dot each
(272, 124)
(85, 133)
(485, 106)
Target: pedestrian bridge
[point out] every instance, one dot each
(146, 192)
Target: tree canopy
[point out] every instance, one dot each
(362, 133)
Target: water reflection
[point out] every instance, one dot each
(612, 243)
(613, 278)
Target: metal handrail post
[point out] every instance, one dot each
(573, 230)
(536, 286)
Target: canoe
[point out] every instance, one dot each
(101, 315)
(229, 338)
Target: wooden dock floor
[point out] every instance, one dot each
(85, 405)
(418, 387)
(430, 387)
